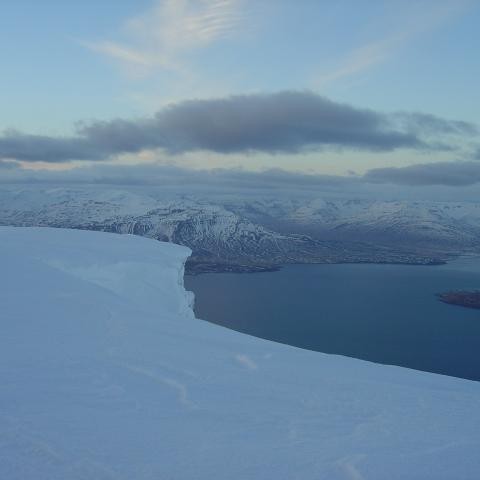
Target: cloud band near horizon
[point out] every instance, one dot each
(443, 174)
(286, 122)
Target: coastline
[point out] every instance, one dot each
(197, 268)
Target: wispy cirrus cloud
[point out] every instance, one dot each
(170, 29)
(413, 20)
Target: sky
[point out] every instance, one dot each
(379, 92)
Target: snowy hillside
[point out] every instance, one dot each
(450, 225)
(216, 235)
(106, 374)
(245, 232)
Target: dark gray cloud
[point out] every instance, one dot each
(461, 173)
(281, 122)
(289, 122)
(38, 148)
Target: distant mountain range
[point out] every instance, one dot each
(242, 233)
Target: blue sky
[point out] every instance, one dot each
(70, 62)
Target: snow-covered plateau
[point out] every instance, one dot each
(105, 373)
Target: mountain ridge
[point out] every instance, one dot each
(255, 234)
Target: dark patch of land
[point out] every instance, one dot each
(195, 268)
(461, 298)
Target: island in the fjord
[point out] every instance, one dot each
(469, 299)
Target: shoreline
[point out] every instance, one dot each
(194, 268)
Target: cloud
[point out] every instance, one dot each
(161, 35)
(439, 177)
(284, 122)
(181, 179)
(121, 52)
(36, 148)
(359, 60)
(432, 125)
(6, 165)
(281, 122)
(460, 173)
(410, 21)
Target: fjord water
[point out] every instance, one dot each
(383, 313)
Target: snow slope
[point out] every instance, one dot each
(106, 374)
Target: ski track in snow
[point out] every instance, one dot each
(179, 388)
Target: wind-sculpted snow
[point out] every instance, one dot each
(106, 374)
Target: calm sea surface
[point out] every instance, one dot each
(383, 313)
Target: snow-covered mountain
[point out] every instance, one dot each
(106, 374)
(216, 235)
(448, 225)
(248, 233)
